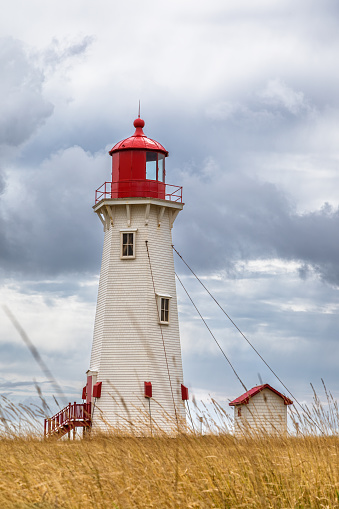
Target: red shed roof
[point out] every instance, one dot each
(244, 398)
(138, 141)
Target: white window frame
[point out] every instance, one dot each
(160, 297)
(122, 232)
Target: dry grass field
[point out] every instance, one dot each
(189, 470)
(186, 471)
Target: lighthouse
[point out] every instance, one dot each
(135, 378)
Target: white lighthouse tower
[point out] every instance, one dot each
(135, 380)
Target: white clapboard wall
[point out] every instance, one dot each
(130, 346)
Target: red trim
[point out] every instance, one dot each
(244, 398)
(89, 389)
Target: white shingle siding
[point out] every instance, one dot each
(264, 413)
(128, 347)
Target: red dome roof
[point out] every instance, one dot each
(138, 141)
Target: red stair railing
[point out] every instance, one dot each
(70, 417)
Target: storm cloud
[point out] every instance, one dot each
(23, 108)
(245, 99)
(239, 218)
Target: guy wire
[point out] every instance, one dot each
(162, 336)
(209, 330)
(243, 335)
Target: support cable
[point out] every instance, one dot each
(209, 330)
(162, 336)
(243, 335)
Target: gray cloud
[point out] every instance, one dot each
(23, 108)
(2, 183)
(56, 230)
(233, 217)
(245, 99)
(7, 385)
(60, 51)
(18, 369)
(293, 326)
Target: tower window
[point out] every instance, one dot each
(127, 245)
(164, 310)
(164, 307)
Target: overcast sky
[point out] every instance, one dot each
(244, 96)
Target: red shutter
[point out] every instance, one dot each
(97, 390)
(148, 389)
(184, 393)
(84, 392)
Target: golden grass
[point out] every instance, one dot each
(187, 471)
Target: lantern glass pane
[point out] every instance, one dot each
(161, 167)
(151, 165)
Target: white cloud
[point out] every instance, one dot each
(275, 99)
(54, 323)
(278, 94)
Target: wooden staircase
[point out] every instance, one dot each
(69, 418)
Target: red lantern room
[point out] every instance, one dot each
(138, 166)
(138, 170)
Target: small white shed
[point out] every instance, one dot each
(261, 409)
